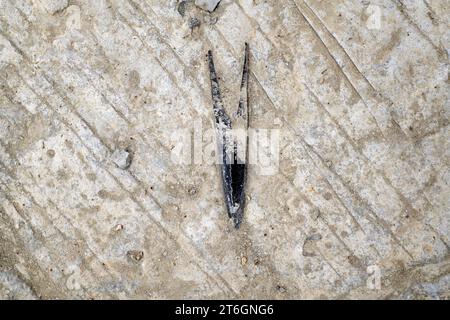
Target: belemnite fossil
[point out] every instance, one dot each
(232, 151)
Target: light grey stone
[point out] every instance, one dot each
(121, 158)
(209, 5)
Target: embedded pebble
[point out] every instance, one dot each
(182, 8)
(121, 158)
(194, 23)
(209, 5)
(135, 255)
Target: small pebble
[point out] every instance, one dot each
(194, 23)
(135, 255)
(182, 8)
(118, 227)
(192, 191)
(209, 5)
(51, 153)
(281, 289)
(121, 158)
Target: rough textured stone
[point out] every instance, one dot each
(359, 206)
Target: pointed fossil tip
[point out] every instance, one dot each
(237, 223)
(209, 56)
(237, 217)
(246, 51)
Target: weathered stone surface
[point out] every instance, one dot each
(358, 92)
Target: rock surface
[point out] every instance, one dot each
(358, 206)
